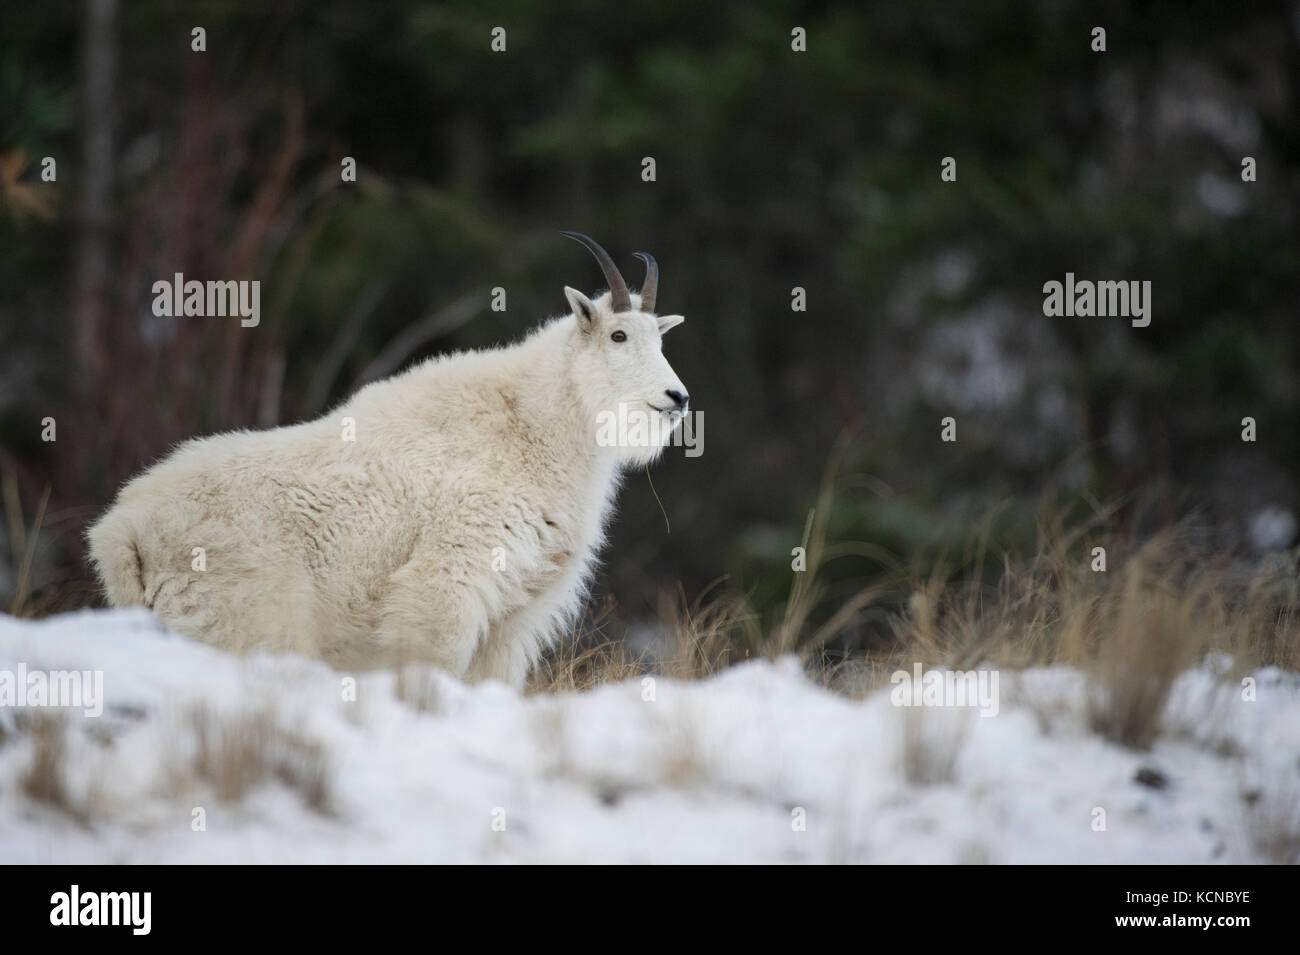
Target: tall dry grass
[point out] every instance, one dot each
(22, 540)
(236, 753)
(1159, 606)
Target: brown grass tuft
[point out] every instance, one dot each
(22, 544)
(44, 781)
(932, 741)
(1156, 609)
(236, 753)
(1146, 637)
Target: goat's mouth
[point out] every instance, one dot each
(668, 411)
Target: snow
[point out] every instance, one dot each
(718, 770)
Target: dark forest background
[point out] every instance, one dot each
(775, 169)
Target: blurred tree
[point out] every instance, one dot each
(775, 169)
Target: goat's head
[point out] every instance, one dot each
(618, 362)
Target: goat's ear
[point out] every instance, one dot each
(582, 306)
(668, 321)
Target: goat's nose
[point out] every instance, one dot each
(679, 397)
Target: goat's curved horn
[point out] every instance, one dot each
(619, 298)
(651, 284)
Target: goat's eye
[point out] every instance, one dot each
(619, 336)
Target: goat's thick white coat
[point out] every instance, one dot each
(460, 526)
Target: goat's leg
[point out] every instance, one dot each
(429, 616)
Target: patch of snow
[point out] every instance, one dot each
(718, 770)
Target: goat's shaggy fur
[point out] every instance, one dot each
(460, 526)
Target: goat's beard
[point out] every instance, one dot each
(636, 432)
(665, 426)
(641, 457)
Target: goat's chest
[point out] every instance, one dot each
(535, 551)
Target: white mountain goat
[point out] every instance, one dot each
(450, 514)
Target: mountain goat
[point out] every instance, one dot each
(451, 513)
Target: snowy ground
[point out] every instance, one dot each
(755, 765)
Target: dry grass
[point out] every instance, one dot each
(717, 629)
(44, 782)
(1159, 606)
(701, 638)
(1146, 638)
(236, 753)
(931, 743)
(232, 754)
(1157, 610)
(22, 543)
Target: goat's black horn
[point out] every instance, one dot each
(620, 300)
(651, 284)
